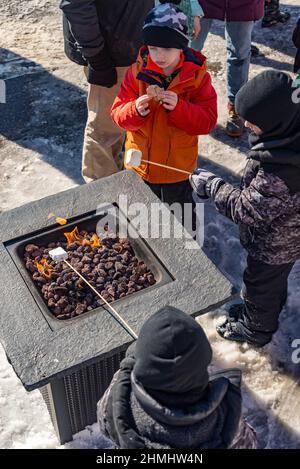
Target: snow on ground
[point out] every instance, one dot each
(40, 144)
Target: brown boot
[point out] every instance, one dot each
(235, 124)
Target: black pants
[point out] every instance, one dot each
(180, 192)
(265, 294)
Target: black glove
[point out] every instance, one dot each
(101, 71)
(202, 182)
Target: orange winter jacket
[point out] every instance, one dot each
(167, 137)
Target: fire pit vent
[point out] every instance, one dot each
(72, 400)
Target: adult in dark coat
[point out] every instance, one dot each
(164, 397)
(105, 36)
(266, 206)
(239, 17)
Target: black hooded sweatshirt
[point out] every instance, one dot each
(163, 397)
(267, 204)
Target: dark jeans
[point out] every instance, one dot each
(180, 192)
(265, 294)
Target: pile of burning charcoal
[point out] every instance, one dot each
(109, 265)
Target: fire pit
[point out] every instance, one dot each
(72, 361)
(116, 267)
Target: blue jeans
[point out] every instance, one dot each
(238, 38)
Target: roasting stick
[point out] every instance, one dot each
(58, 255)
(134, 158)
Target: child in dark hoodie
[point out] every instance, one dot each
(163, 397)
(266, 206)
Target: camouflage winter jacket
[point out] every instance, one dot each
(267, 204)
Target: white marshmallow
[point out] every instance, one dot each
(133, 157)
(58, 254)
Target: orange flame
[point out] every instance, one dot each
(44, 268)
(59, 220)
(73, 237)
(95, 241)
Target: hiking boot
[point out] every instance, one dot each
(229, 330)
(236, 311)
(233, 329)
(235, 124)
(273, 15)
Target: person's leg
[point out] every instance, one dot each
(264, 294)
(238, 37)
(156, 189)
(180, 193)
(198, 43)
(266, 287)
(103, 140)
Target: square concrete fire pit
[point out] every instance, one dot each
(72, 362)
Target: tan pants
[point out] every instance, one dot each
(103, 140)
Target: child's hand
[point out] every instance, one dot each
(197, 27)
(169, 100)
(142, 105)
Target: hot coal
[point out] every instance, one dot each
(113, 269)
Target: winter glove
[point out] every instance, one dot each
(204, 183)
(101, 71)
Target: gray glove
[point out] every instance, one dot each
(202, 182)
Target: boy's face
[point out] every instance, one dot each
(163, 57)
(253, 128)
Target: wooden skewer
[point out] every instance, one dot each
(167, 167)
(114, 312)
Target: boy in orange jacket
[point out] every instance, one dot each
(165, 127)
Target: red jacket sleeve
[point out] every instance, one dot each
(199, 116)
(123, 111)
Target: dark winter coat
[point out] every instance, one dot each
(296, 41)
(233, 10)
(267, 205)
(90, 25)
(131, 418)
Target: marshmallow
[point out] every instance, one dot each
(58, 254)
(133, 157)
